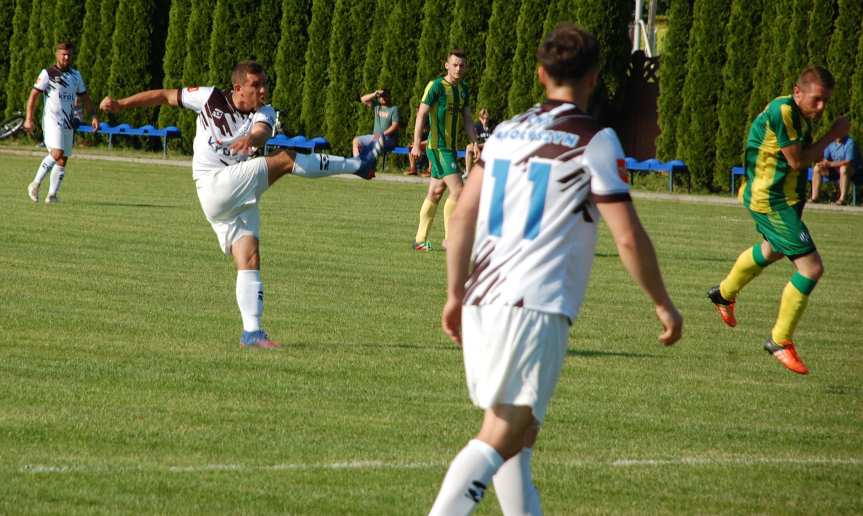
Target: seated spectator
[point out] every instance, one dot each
(386, 121)
(841, 161)
(483, 127)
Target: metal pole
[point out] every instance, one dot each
(651, 27)
(636, 26)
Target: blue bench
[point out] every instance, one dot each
(299, 142)
(654, 165)
(740, 171)
(147, 131)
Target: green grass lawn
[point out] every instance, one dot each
(124, 390)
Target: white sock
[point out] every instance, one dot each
(44, 167)
(56, 179)
(323, 165)
(514, 487)
(250, 298)
(466, 480)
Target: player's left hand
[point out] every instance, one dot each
(94, 123)
(451, 319)
(242, 146)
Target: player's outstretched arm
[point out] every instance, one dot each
(462, 226)
(639, 258)
(147, 98)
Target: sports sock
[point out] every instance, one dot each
(323, 165)
(250, 298)
(749, 264)
(448, 208)
(44, 167)
(56, 179)
(427, 213)
(514, 487)
(791, 307)
(466, 479)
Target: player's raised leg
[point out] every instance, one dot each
(748, 266)
(316, 165)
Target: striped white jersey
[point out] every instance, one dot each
(544, 172)
(219, 124)
(61, 90)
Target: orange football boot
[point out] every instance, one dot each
(723, 306)
(785, 353)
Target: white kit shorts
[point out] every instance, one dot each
(513, 356)
(58, 138)
(229, 197)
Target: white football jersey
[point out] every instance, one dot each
(544, 172)
(218, 125)
(60, 89)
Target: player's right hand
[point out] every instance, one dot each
(672, 323)
(29, 126)
(451, 319)
(109, 105)
(415, 151)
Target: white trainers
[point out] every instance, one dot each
(33, 191)
(52, 199)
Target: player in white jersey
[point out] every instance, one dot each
(62, 87)
(520, 250)
(231, 126)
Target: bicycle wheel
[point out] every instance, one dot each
(11, 126)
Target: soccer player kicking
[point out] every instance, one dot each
(231, 126)
(443, 100)
(527, 223)
(778, 150)
(62, 87)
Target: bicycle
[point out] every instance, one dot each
(12, 125)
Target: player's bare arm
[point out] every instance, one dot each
(250, 143)
(799, 157)
(29, 125)
(461, 235)
(422, 111)
(89, 108)
(369, 97)
(147, 98)
(471, 131)
(639, 258)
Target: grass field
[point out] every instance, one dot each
(124, 390)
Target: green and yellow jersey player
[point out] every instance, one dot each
(778, 151)
(445, 99)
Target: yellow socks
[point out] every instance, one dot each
(749, 264)
(794, 299)
(448, 208)
(427, 213)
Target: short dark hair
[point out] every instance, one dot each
(244, 68)
(65, 45)
(458, 52)
(568, 53)
(815, 73)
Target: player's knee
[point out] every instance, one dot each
(58, 156)
(281, 162)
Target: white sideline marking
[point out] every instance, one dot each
(376, 464)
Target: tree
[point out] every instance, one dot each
(7, 23)
(468, 32)
(696, 144)
(175, 54)
(67, 21)
(35, 52)
(558, 11)
(820, 28)
(841, 55)
(796, 54)
(317, 61)
(672, 75)
(196, 70)
(290, 63)
(741, 31)
(766, 80)
(499, 52)
(232, 38)
(528, 34)
(97, 83)
(608, 21)
(130, 59)
(857, 96)
(431, 51)
(399, 55)
(265, 42)
(345, 70)
(88, 42)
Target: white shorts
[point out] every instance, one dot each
(229, 197)
(58, 138)
(513, 356)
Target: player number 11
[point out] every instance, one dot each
(537, 173)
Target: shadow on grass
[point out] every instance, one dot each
(132, 205)
(591, 354)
